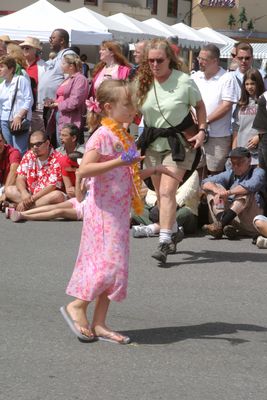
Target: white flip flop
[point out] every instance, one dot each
(73, 328)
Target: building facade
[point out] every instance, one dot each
(168, 11)
(224, 16)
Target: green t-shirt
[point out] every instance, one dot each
(175, 96)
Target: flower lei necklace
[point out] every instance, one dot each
(128, 142)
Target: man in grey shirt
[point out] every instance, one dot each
(52, 78)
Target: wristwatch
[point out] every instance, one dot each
(206, 134)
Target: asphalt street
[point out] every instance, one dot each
(199, 327)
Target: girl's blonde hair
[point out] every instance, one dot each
(109, 92)
(119, 58)
(145, 76)
(75, 60)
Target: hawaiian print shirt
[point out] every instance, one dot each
(40, 174)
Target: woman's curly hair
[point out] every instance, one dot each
(145, 76)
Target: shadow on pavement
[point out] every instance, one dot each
(209, 256)
(210, 330)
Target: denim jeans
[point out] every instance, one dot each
(262, 151)
(18, 142)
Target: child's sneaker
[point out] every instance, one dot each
(261, 242)
(142, 231)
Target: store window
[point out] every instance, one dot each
(172, 8)
(153, 5)
(90, 2)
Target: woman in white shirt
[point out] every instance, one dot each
(13, 117)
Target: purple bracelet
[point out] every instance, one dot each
(129, 155)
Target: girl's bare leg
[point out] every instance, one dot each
(99, 326)
(49, 207)
(67, 213)
(77, 310)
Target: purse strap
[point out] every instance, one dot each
(157, 100)
(14, 97)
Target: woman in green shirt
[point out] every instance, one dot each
(166, 96)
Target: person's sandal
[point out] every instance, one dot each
(4, 205)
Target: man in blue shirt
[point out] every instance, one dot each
(234, 197)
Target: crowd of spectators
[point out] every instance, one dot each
(221, 165)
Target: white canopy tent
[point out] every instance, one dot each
(259, 51)
(195, 34)
(185, 40)
(215, 37)
(147, 31)
(104, 24)
(41, 18)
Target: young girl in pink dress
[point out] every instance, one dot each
(111, 163)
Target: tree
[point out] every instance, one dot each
(242, 17)
(231, 21)
(250, 25)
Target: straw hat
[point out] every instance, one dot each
(32, 42)
(5, 38)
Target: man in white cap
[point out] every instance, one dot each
(36, 67)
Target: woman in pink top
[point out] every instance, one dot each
(112, 65)
(71, 96)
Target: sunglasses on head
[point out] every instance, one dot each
(156, 60)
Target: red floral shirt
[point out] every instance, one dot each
(39, 174)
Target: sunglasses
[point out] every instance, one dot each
(233, 55)
(37, 144)
(156, 60)
(25, 47)
(243, 58)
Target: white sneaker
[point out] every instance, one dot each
(142, 231)
(261, 242)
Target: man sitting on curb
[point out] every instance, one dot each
(234, 197)
(39, 178)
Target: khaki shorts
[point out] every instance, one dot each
(154, 158)
(216, 151)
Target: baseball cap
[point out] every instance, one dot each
(239, 152)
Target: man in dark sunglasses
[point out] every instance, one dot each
(39, 177)
(244, 59)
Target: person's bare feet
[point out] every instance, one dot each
(78, 315)
(102, 332)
